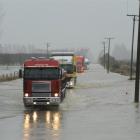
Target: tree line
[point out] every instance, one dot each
(118, 66)
(17, 59)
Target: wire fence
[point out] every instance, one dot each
(8, 73)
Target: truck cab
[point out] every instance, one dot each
(44, 82)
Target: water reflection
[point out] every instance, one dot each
(137, 106)
(42, 125)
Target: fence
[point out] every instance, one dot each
(9, 76)
(8, 73)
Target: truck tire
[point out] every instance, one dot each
(26, 106)
(75, 80)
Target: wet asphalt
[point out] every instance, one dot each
(100, 107)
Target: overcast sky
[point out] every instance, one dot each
(67, 23)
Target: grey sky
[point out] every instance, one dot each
(67, 23)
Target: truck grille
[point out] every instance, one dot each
(41, 89)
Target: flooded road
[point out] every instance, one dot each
(101, 107)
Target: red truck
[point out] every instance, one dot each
(80, 63)
(43, 82)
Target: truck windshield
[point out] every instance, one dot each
(68, 67)
(41, 73)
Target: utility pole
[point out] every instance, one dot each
(133, 33)
(108, 64)
(47, 50)
(104, 54)
(137, 64)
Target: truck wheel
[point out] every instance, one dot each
(65, 92)
(26, 106)
(75, 81)
(62, 96)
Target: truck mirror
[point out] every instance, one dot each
(60, 75)
(64, 73)
(20, 73)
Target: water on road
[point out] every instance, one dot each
(100, 107)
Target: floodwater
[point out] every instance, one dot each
(101, 107)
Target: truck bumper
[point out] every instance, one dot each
(71, 83)
(45, 101)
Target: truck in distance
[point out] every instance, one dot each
(68, 62)
(80, 63)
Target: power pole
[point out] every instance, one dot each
(104, 54)
(137, 64)
(108, 64)
(47, 52)
(133, 33)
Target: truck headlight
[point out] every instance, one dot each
(26, 94)
(71, 83)
(56, 94)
